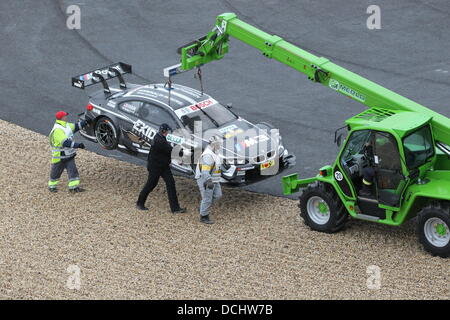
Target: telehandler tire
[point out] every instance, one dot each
(321, 208)
(433, 228)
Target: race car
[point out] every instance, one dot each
(127, 118)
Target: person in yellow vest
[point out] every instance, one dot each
(208, 174)
(63, 152)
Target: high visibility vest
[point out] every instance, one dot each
(215, 170)
(61, 132)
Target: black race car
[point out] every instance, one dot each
(127, 118)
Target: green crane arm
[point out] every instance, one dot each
(318, 69)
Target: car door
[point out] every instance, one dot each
(134, 129)
(157, 115)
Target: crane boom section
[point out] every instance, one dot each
(318, 69)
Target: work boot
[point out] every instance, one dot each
(206, 220)
(180, 210)
(76, 190)
(140, 206)
(365, 191)
(53, 190)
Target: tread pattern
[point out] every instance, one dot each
(335, 204)
(440, 209)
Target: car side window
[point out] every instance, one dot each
(157, 115)
(131, 107)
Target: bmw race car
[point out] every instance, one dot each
(127, 118)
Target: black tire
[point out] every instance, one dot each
(425, 219)
(106, 133)
(337, 214)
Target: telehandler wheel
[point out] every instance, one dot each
(433, 229)
(321, 208)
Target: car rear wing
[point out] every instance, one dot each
(115, 70)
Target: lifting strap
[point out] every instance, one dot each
(198, 75)
(168, 86)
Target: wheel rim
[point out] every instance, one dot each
(318, 210)
(437, 232)
(105, 134)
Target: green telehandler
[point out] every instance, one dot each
(402, 145)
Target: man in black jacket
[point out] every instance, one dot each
(158, 165)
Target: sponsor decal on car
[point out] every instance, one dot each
(86, 77)
(78, 84)
(246, 143)
(112, 104)
(143, 131)
(96, 111)
(195, 107)
(230, 131)
(267, 165)
(174, 139)
(104, 73)
(228, 128)
(128, 107)
(147, 133)
(233, 133)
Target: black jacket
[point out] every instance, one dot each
(160, 153)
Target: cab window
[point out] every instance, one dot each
(355, 144)
(418, 147)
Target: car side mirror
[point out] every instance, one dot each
(229, 105)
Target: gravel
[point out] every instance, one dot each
(258, 248)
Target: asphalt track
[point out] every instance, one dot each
(409, 55)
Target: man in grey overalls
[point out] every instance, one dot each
(208, 174)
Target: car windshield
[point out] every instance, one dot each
(210, 114)
(418, 147)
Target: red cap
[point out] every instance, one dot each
(61, 114)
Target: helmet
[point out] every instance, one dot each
(164, 127)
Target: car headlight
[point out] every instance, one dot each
(234, 161)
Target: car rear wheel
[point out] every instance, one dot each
(106, 133)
